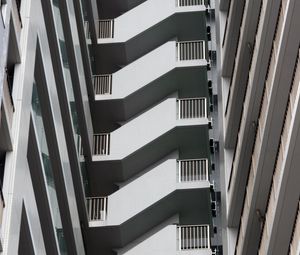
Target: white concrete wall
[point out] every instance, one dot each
(146, 128)
(145, 70)
(142, 71)
(18, 187)
(163, 242)
(157, 183)
(145, 16)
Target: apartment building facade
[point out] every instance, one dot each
(259, 82)
(108, 127)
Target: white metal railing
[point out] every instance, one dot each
(193, 237)
(189, 2)
(101, 144)
(102, 84)
(189, 108)
(105, 28)
(193, 170)
(97, 208)
(191, 50)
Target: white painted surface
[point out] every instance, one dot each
(147, 69)
(162, 242)
(144, 191)
(145, 16)
(145, 128)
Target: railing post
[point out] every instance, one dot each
(179, 109)
(104, 208)
(178, 51)
(203, 49)
(208, 237)
(206, 166)
(179, 237)
(205, 108)
(179, 170)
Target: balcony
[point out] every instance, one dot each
(181, 112)
(118, 29)
(176, 64)
(117, 209)
(166, 238)
(191, 108)
(167, 57)
(119, 43)
(166, 188)
(146, 138)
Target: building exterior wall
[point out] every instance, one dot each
(153, 186)
(258, 83)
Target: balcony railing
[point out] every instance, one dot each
(193, 170)
(189, 108)
(97, 208)
(101, 144)
(190, 2)
(102, 84)
(191, 50)
(193, 237)
(105, 28)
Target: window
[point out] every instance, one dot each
(47, 168)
